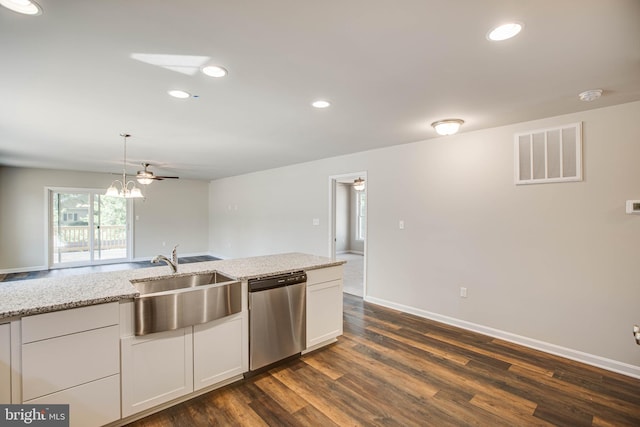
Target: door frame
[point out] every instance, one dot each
(333, 181)
(48, 223)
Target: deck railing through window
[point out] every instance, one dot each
(76, 238)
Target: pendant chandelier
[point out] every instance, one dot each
(124, 188)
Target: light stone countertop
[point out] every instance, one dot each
(26, 297)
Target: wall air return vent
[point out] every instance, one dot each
(549, 155)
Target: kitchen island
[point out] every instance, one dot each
(71, 339)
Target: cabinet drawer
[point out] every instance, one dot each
(52, 365)
(57, 323)
(93, 404)
(324, 275)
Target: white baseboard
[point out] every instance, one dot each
(23, 269)
(568, 353)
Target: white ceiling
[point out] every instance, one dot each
(69, 84)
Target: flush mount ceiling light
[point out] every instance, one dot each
(590, 95)
(25, 7)
(447, 126)
(214, 71)
(121, 188)
(179, 94)
(358, 184)
(320, 104)
(505, 31)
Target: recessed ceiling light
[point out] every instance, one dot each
(179, 94)
(590, 95)
(214, 71)
(25, 7)
(447, 126)
(321, 104)
(505, 31)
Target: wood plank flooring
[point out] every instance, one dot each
(395, 369)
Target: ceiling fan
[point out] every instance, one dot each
(146, 177)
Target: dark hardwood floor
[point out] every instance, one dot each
(395, 369)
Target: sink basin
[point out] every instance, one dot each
(184, 300)
(152, 285)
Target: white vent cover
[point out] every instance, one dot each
(549, 155)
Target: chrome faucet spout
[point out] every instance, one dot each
(172, 263)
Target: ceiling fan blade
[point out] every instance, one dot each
(167, 177)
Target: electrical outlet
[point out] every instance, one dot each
(401, 225)
(463, 292)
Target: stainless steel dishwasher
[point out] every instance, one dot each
(277, 318)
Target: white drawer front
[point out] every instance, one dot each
(324, 275)
(58, 323)
(52, 365)
(93, 404)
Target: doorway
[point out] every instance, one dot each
(85, 227)
(348, 229)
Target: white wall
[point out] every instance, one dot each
(173, 212)
(558, 263)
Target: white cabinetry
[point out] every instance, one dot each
(156, 368)
(219, 351)
(160, 367)
(5, 363)
(72, 356)
(324, 306)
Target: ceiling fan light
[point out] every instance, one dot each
(144, 180)
(144, 177)
(358, 184)
(447, 126)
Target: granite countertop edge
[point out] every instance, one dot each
(36, 296)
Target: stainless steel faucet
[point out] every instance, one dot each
(172, 263)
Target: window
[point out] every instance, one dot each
(549, 155)
(86, 227)
(361, 215)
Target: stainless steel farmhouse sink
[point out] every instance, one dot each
(183, 300)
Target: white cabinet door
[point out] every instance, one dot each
(156, 368)
(5, 363)
(324, 312)
(219, 350)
